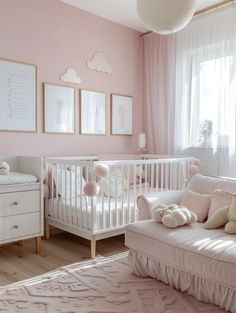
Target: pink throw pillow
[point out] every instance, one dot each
(219, 199)
(197, 203)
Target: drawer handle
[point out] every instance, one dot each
(10, 204)
(15, 226)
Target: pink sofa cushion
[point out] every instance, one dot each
(209, 254)
(197, 203)
(207, 185)
(219, 199)
(147, 204)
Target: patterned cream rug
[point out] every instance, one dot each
(102, 286)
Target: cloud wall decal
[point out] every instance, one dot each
(71, 76)
(99, 63)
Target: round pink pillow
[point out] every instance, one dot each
(101, 170)
(91, 189)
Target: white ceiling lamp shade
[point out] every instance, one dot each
(165, 16)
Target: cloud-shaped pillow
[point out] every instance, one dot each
(71, 76)
(99, 63)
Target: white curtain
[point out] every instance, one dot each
(199, 95)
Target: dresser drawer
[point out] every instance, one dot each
(15, 227)
(14, 203)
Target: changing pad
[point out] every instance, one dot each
(17, 178)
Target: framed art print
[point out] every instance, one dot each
(18, 94)
(59, 109)
(121, 115)
(92, 112)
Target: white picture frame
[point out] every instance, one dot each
(92, 112)
(18, 96)
(59, 109)
(121, 115)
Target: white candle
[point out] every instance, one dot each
(142, 141)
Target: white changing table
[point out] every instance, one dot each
(21, 205)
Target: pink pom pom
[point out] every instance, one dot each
(193, 170)
(197, 162)
(101, 170)
(91, 189)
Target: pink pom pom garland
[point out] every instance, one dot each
(91, 189)
(101, 170)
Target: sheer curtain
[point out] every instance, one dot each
(159, 93)
(199, 93)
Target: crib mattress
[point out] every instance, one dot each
(17, 178)
(210, 254)
(70, 212)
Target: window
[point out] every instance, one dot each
(216, 112)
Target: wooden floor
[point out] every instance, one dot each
(20, 262)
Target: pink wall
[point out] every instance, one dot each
(55, 36)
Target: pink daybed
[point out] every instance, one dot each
(190, 258)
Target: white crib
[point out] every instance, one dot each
(106, 214)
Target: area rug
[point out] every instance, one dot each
(102, 286)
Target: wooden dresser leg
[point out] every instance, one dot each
(93, 247)
(37, 245)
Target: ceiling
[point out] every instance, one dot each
(122, 11)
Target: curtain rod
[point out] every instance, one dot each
(201, 12)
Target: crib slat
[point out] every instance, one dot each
(146, 169)
(134, 191)
(70, 209)
(65, 193)
(152, 177)
(157, 177)
(75, 215)
(162, 176)
(171, 176)
(122, 196)
(52, 190)
(116, 197)
(62, 194)
(103, 207)
(55, 198)
(174, 186)
(179, 176)
(166, 168)
(128, 220)
(109, 199)
(80, 213)
(187, 170)
(86, 202)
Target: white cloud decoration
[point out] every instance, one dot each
(99, 63)
(71, 76)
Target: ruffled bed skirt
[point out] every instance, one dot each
(201, 288)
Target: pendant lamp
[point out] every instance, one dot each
(165, 16)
